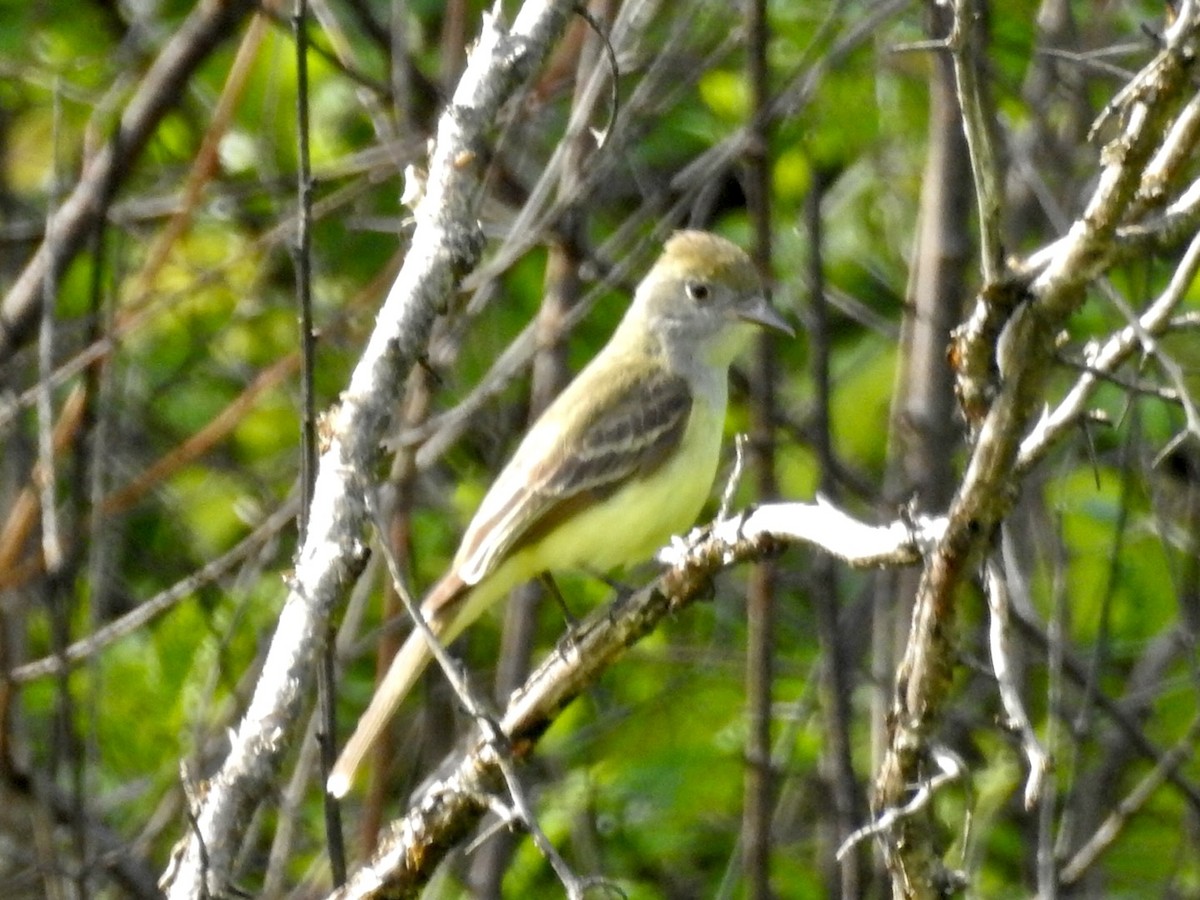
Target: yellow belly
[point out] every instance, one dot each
(627, 527)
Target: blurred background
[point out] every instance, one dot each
(150, 434)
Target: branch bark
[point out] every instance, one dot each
(1005, 352)
(448, 808)
(446, 244)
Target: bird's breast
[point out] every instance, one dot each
(642, 515)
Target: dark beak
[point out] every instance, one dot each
(760, 312)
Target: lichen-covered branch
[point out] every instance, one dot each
(1014, 323)
(446, 244)
(450, 806)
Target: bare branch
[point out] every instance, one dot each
(978, 114)
(445, 245)
(1104, 836)
(1107, 358)
(1000, 643)
(1021, 322)
(450, 806)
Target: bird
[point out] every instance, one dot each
(623, 459)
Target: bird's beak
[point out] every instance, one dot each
(760, 312)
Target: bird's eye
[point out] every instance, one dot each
(697, 290)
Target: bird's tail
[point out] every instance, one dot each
(407, 665)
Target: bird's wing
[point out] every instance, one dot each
(642, 418)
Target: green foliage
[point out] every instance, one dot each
(642, 778)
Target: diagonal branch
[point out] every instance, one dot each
(1034, 314)
(447, 808)
(445, 245)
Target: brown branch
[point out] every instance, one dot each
(204, 167)
(23, 515)
(758, 789)
(217, 429)
(446, 810)
(1034, 314)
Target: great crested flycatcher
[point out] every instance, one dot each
(622, 460)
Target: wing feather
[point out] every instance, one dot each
(642, 417)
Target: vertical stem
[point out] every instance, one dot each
(922, 433)
(308, 436)
(759, 788)
(978, 116)
(52, 549)
(91, 471)
(402, 76)
(835, 679)
(303, 260)
(453, 43)
(56, 595)
(1047, 860)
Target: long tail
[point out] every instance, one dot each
(407, 665)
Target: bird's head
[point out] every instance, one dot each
(704, 297)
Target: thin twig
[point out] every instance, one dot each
(520, 810)
(978, 114)
(1000, 643)
(302, 258)
(52, 546)
(614, 72)
(1153, 321)
(759, 777)
(950, 768)
(145, 612)
(735, 475)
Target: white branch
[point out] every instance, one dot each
(1000, 643)
(824, 526)
(449, 806)
(446, 243)
(1108, 358)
